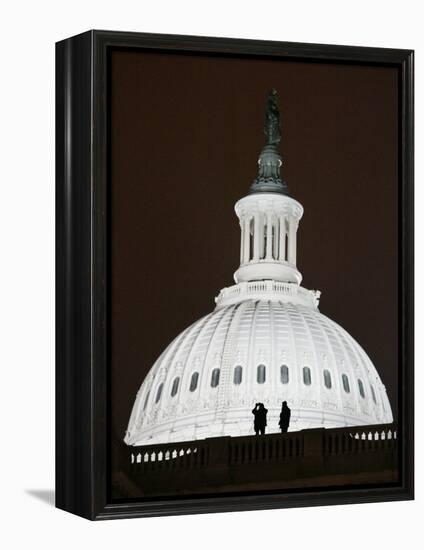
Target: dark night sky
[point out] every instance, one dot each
(186, 132)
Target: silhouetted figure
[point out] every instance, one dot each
(260, 413)
(284, 418)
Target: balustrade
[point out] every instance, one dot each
(245, 450)
(274, 447)
(359, 439)
(169, 456)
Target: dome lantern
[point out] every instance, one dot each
(269, 217)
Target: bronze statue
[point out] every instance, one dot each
(268, 179)
(272, 119)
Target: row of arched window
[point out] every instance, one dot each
(345, 382)
(260, 379)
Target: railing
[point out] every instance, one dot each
(254, 287)
(171, 455)
(272, 448)
(359, 439)
(259, 286)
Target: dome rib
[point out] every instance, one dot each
(273, 351)
(203, 375)
(250, 359)
(349, 342)
(335, 374)
(185, 372)
(294, 355)
(228, 354)
(348, 345)
(331, 326)
(316, 362)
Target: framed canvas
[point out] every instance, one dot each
(182, 388)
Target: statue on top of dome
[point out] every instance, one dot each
(272, 128)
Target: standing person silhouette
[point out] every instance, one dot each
(259, 424)
(284, 418)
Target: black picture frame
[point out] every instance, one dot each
(82, 266)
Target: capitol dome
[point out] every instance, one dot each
(266, 341)
(207, 381)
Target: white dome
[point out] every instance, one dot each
(207, 381)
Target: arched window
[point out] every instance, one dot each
(215, 378)
(345, 381)
(373, 394)
(307, 376)
(175, 385)
(327, 379)
(261, 374)
(159, 392)
(146, 400)
(361, 388)
(193, 381)
(238, 375)
(284, 374)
